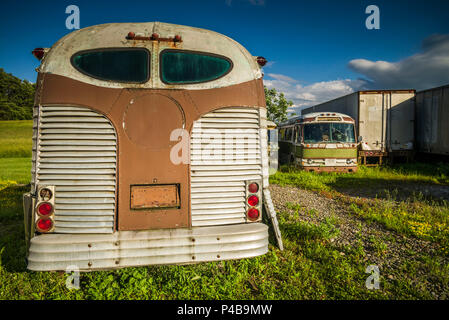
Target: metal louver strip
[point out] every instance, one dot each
(77, 154)
(218, 176)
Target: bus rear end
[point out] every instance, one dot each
(149, 147)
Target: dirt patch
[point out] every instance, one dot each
(387, 249)
(400, 191)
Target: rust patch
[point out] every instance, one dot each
(137, 163)
(155, 196)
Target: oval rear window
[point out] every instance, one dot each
(183, 67)
(120, 65)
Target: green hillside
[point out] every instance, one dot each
(16, 97)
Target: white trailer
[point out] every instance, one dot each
(432, 115)
(384, 120)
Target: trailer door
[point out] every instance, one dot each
(371, 119)
(401, 115)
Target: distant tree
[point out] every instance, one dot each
(277, 105)
(16, 97)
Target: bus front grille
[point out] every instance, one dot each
(76, 153)
(225, 152)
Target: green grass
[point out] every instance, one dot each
(15, 171)
(375, 176)
(15, 138)
(310, 267)
(415, 216)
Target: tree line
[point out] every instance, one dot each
(16, 97)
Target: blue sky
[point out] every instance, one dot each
(317, 49)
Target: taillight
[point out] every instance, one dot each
(45, 209)
(44, 225)
(253, 201)
(253, 214)
(261, 61)
(253, 187)
(38, 53)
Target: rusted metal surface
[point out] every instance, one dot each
(155, 197)
(141, 118)
(150, 247)
(139, 163)
(153, 37)
(432, 116)
(218, 185)
(77, 154)
(271, 212)
(112, 35)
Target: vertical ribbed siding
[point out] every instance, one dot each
(77, 154)
(218, 183)
(34, 148)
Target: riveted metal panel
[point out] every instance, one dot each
(149, 247)
(225, 152)
(77, 154)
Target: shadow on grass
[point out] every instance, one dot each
(404, 181)
(400, 190)
(12, 236)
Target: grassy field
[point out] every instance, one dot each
(313, 265)
(15, 138)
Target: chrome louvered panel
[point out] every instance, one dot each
(34, 148)
(77, 155)
(224, 153)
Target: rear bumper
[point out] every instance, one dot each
(89, 252)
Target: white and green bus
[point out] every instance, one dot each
(319, 142)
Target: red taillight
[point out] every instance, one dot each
(44, 225)
(261, 61)
(253, 214)
(38, 53)
(253, 187)
(45, 209)
(253, 201)
(177, 38)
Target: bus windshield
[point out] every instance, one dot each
(329, 132)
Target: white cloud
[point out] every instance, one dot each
(426, 69)
(313, 94)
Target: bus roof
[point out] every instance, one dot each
(314, 115)
(114, 35)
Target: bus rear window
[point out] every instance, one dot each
(183, 67)
(121, 65)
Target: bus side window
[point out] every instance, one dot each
(288, 134)
(298, 136)
(282, 134)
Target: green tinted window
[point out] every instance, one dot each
(178, 67)
(121, 65)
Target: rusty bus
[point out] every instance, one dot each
(128, 121)
(319, 142)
